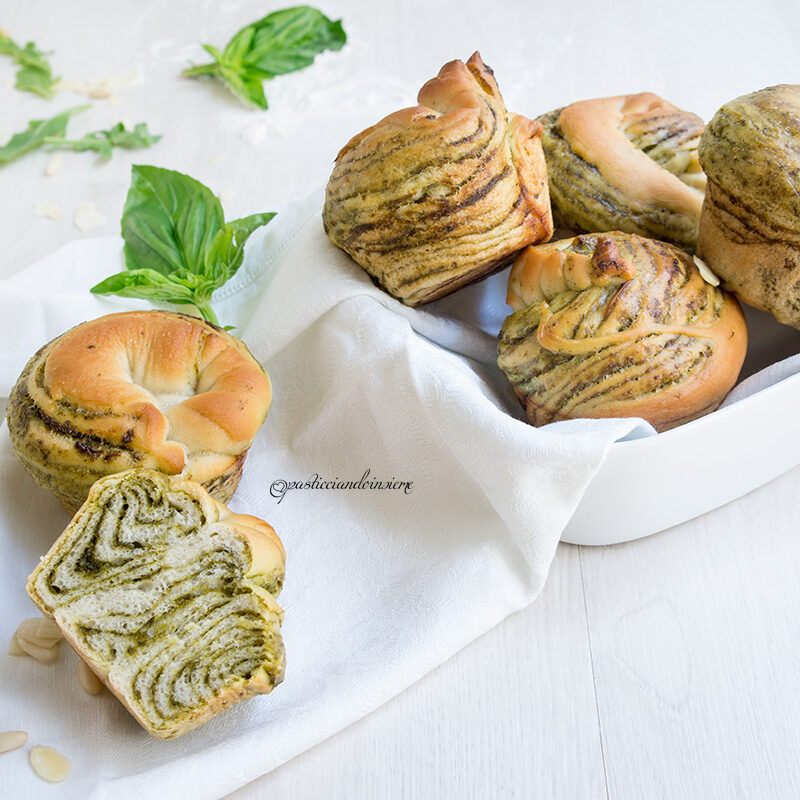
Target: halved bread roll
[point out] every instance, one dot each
(615, 325)
(150, 389)
(434, 197)
(169, 597)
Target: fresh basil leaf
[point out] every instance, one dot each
(35, 74)
(281, 42)
(147, 284)
(289, 40)
(36, 134)
(169, 220)
(244, 86)
(102, 142)
(224, 256)
(178, 248)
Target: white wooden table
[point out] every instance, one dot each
(668, 667)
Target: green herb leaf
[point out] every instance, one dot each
(35, 74)
(147, 284)
(281, 42)
(225, 254)
(102, 142)
(288, 40)
(178, 248)
(168, 221)
(36, 134)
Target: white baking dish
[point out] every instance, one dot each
(649, 484)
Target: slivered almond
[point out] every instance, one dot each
(54, 164)
(12, 740)
(49, 764)
(705, 271)
(89, 681)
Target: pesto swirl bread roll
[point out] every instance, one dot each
(168, 597)
(750, 226)
(615, 325)
(437, 196)
(626, 163)
(149, 389)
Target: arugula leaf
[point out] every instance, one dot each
(178, 247)
(35, 74)
(36, 134)
(281, 42)
(102, 142)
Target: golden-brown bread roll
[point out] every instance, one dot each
(750, 226)
(148, 389)
(615, 325)
(626, 163)
(168, 597)
(437, 196)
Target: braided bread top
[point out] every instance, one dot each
(617, 325)
(627, 163)
(162, 383)
(435, 196)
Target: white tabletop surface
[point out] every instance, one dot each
(664, 668)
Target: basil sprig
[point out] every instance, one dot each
(178, 247)
(102, 142)
(52, 132)
(36, 134)
(281, 42)
(34, 73)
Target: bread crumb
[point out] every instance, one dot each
(43, 209)
(115, 100)
(87, 217)
(218, 159)
(226, 194)
(54, 165)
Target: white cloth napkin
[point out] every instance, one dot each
(382, 585)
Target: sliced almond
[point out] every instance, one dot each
(89, 681)
(14, 648)
(11, 740)
(87, 217)
(706, 273)
(48, 632)
(47, 655)
(49, 764)
(43, 209)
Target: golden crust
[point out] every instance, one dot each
(439, 195)
(615, 325)
(149, 389)
(626, 163)
(749, 229)
(263, 579)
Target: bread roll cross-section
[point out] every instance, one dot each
(169, 597)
